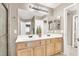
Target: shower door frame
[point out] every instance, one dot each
(6, 26)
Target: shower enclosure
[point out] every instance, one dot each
(3, 30)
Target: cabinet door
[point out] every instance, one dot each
(48, 42)
(50, 49)
(43, 42)
(21, 45)
(25, 52)
(58, 45)
(39, 51)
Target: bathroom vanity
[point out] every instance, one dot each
(39, 46)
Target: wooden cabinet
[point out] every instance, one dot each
(21, 45)
(48, 42)
(40, 47)
(54, 46)
(39, 51)
(43, 42)
(58, 45)
(25, 52)
(50, 50)
(35, 43)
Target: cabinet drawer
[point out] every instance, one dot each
(43, 42)
(59, 40)
(35, 43)
(21, 45)
(25, 52)
(21, 52)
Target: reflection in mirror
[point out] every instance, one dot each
(57, 24)
(50, 25)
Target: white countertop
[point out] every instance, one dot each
(22, 38)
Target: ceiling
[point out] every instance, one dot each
(50, 5)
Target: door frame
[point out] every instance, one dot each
(65, 28)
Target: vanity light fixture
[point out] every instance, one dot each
(38, 8)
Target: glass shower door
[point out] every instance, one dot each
(3, 31)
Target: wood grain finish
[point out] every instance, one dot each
(43, 42)
(50, 50)
(35, 43)
(25, 52)
(21, 45)
(48, 42)
(58, 45)
(40, 47)
(50, 47)
(39, 51)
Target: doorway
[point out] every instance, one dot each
(70, 47)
